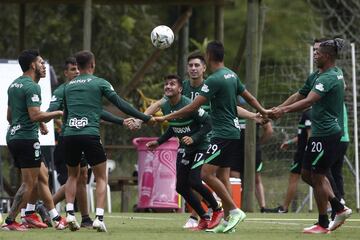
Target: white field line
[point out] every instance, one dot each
(276, 220)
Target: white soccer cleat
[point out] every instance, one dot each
(99, 225)
(340, 218)
(191, 223)
(72, 223)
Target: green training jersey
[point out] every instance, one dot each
(327, 112)
(192, 92)
(221, 88)
(83, 104)
(187, 126)
(305, 90)
(22, 94)
(57, 103)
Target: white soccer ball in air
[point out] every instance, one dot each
(162, 37)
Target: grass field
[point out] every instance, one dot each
(168, 226)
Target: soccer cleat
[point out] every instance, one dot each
(203, 224)
(340, 218)
(99, 225)
(316, 229)
(279, 209)
(234, 219)
(191, 223)
(216, 218)
(14, 226)
(72, 223)
(87, 223)
(61, 224)
(218, 229)
(33, 221)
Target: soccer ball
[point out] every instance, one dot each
(162, 37)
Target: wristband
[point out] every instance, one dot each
(290, 141)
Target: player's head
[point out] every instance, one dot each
(70, 68)
(85, 60)
(30, 60)
(328, 51)
(196, 66)
(214, 52)
(172, 85)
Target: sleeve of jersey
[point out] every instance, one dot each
(322, 85)
(124, 106)
(241, 87)
(56, 102)
(109, 117)
(33, 96)
(306, 88)
(209, 88)
(166, 136)
(205, 129)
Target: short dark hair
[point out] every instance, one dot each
(68, 61)
(84, 58)
(320, 40)
(26, 57)
(174, 76)
(215, 49)
(196, 55)
(332, 47)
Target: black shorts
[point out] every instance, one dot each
(26, 153)
(60, 162)
(297, 163)
(222, 152)
(238, 161)
(320, 153)
(78, 146)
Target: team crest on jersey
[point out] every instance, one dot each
(319, 87)
(205, 88)
(35, 98)
(201, 112)
(53, 98)
(78, 123)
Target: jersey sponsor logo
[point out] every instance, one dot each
(201, 112)
(53, 98)
(307, 123)
(237, 123)
(78, 123)
(80, 81)
(229, 75)
(16, 85)
(35, 98)
(181, 129)
(319, 87)
(14, 129)
(205, 88)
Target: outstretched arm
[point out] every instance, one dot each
(292, 99)
(38, 116)
(185, 111)
(252, 101)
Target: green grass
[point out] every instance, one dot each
(166, 226)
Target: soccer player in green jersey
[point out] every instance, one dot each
(221, 88)
(57, 103)
(24, 115)
(83, 107)
(326, 97)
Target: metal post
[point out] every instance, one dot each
(183, 49)
(87, 25)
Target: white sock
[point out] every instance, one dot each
(53, 213)
(99, 212)
(30, 207)
(234, 211)
(22, 212)
(69, 207)
(225, 223)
